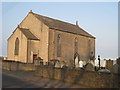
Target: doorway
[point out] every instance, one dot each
(34, 57)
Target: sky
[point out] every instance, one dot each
(1, 29)
(98, 18)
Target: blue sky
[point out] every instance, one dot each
(98, 18)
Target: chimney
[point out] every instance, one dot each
(18, 26)
(77, 23)
(30, 11)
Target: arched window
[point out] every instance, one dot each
(58, 46)
(76, 55)
(89, 48)
(16, 47)
(76, 45)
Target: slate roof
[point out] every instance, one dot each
(62, 26)
(28, 34)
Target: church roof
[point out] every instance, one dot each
(62, 26)
(28, 34)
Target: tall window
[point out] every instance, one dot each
(76, 45)
(16, 46)
(58, 46)
(75, 50)
(89, 47)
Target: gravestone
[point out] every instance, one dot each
(76, 62)
(36, 62)
(63, 64)
(104, 70)
(57, 64)
(118, 62)
(109, 64)
(103, 63)
(115, 68)
(84, 62)
(81, 64)
(89, 67)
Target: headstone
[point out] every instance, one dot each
(63, 63)
(64, 67)
(118, 61)
(84, 62)
(115, 68)
(81, 64)
(76, 62)
(36, 62)
(109, 64)
(92, 62)
(40, 61)
(104, 70)
(96, 62)
(57, 64)
(103, 63)
(89, 67)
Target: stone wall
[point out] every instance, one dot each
(22, 46)
(86, 78)
(29, 47)
(67, 41)
(40, 30)
(17, 66)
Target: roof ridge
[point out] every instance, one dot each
(62, 25)
(55, 19)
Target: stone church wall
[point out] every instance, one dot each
(46, 47)
(68, 46)
(41, 31)
(22, 56)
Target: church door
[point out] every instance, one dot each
(34, 57)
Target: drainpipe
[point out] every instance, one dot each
(27, 49)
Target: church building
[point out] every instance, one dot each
(48, 38)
